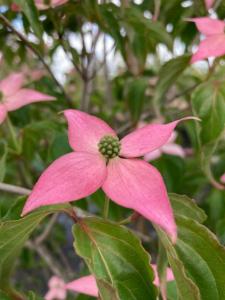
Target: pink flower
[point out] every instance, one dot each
(222, 178)
(53, 3)
(170, 148)
(214, 43)
(40, 4)
(57, 289)
(169, 275)
(86, 285)
(209, 3)
(101, 160)
(13, 96)
(15, 7)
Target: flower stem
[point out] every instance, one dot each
(71, 213)
(126, 221)
(129, 219)
(106, 208)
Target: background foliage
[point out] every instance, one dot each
(126, 62)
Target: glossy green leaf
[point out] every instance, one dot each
(116, 258)
(203, 257)
(183, 206)
(135, 95)
(168, 74)
(154, 30)
(13, 235)
(30, 11)
(172, 290)
(186, 288)
(197, 259)
(208, 103)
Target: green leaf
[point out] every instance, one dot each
(197, 259)
(208, 103)
(153, 29)
(13, 235)
(116, 258)
(30, 11)
(168, 74)
(203, 257)
(186, 289)
(183, 206)
(135, 96)
(4, 296)
(172, 290)
(31, 296)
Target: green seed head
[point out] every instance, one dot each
(109, 146)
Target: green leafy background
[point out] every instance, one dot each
(141, 74)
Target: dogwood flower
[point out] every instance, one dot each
(57, 289)
(170, 148)
(41, 4)
(86, 285)
(209, 3)
(222, 178)
(214, 43)
(13, 96)
(101, 160)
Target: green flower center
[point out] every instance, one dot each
(109, 146)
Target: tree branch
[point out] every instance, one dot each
(46, 256)
(14, 189)
(6, 22)
(43, 236)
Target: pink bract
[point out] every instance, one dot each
(86, 285)
(52, 3)
(222, 178)
(214, 43)
(170, 148)
(126, 179)
(40, 4)
(14, 96)
(209, 3)
(57, 289)
(169, 275)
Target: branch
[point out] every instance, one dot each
(157, 4)
(37, 53)
(124, 128)
(14, 189)
(46, 256)
(43, 236)
(36, 245)
(186, 91)
(68, 51)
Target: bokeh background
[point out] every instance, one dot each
(127, 62)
